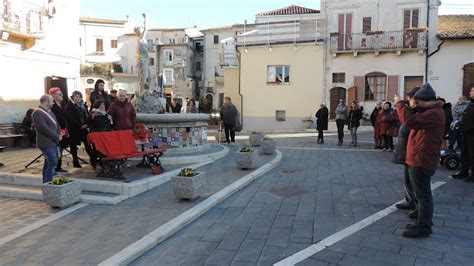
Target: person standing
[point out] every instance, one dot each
(123, 113)
(58, 110)
(229, 115)
(322, 119)
(423, 152)
(388, 126)
(458, 112)
(112, 96)
(375, 120)
(341, 116)
(77, 117)
(191, 109)
(353, 122)
(175, 107)
(27, 127)
(399, 156)
(467, 133)
(100, 94)
(99, 120)
(47, 135)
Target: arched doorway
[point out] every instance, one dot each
(468, 79)
(210, 103)
(335, 94)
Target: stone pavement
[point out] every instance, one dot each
(94, 233)
(15, 214)
(316, 192)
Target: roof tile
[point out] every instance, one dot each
(456, 27)
(289, 10)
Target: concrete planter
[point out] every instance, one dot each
(245, 160)
(255, 138)
(307, 124)
(61, 196)
(189, 187)
(268, 146)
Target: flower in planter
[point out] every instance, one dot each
(246, 150)
(267, 138)
(60, 180)
(188, 172)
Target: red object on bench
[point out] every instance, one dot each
(120, 145)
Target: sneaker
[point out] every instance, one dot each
(414, 226)
(413, 214)
(404, 206)
(417, 232)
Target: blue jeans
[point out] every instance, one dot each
(50, 162)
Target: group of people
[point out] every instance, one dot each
(349, 116)
(423, 123)
(189, 106)
(62, 123)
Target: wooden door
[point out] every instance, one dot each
(351, 94)
(468, 80)
(334, 95)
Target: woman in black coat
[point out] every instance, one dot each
(100, 94)
(76, 115)
(353, 122)
(322, 116)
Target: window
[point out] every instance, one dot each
(113, 43)
(410, 18)
(168, 77)
(376, 87)
(278, 74)
(338, 77)
(151, 45)
(366, 24)
(80, 41)
(198, 66)
(168, 57)
(412, 82)
(99, 45)
(172, 41)
(152, 61)
(280, 115)
(216, 39)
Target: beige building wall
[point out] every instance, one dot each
(231, 85)
(299, 99)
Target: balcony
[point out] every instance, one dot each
(379, 41)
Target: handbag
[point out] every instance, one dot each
(238, 126)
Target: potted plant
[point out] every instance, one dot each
(307, 122)
(188, 184)
(245, 158)
(268, 145)
(255, 138)
(61, 192)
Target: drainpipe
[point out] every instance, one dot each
(240, 93)
(427, 39)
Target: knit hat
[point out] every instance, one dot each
(53, 90)
(425, 93)
(413, 91)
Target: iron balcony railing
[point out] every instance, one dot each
(414, 39)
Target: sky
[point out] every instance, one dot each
(212, 13)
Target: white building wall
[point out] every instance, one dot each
(24, 71)
(299, 17)
(446, 68)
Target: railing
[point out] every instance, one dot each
(280, 32)
(378, 41)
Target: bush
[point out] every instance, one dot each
(246, 150)
(60, 180)
(188, 172)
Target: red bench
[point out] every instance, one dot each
(115, 147)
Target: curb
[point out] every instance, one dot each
(140, 247)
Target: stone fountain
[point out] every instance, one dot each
(180, 133)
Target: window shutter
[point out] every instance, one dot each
(359, 83)
(414, 18)
(340, 30)
(392, 87)
(406, 19)
(366, 24)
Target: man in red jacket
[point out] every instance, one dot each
(423, 152)
(122, 112)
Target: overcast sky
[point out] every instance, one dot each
(212, 13)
